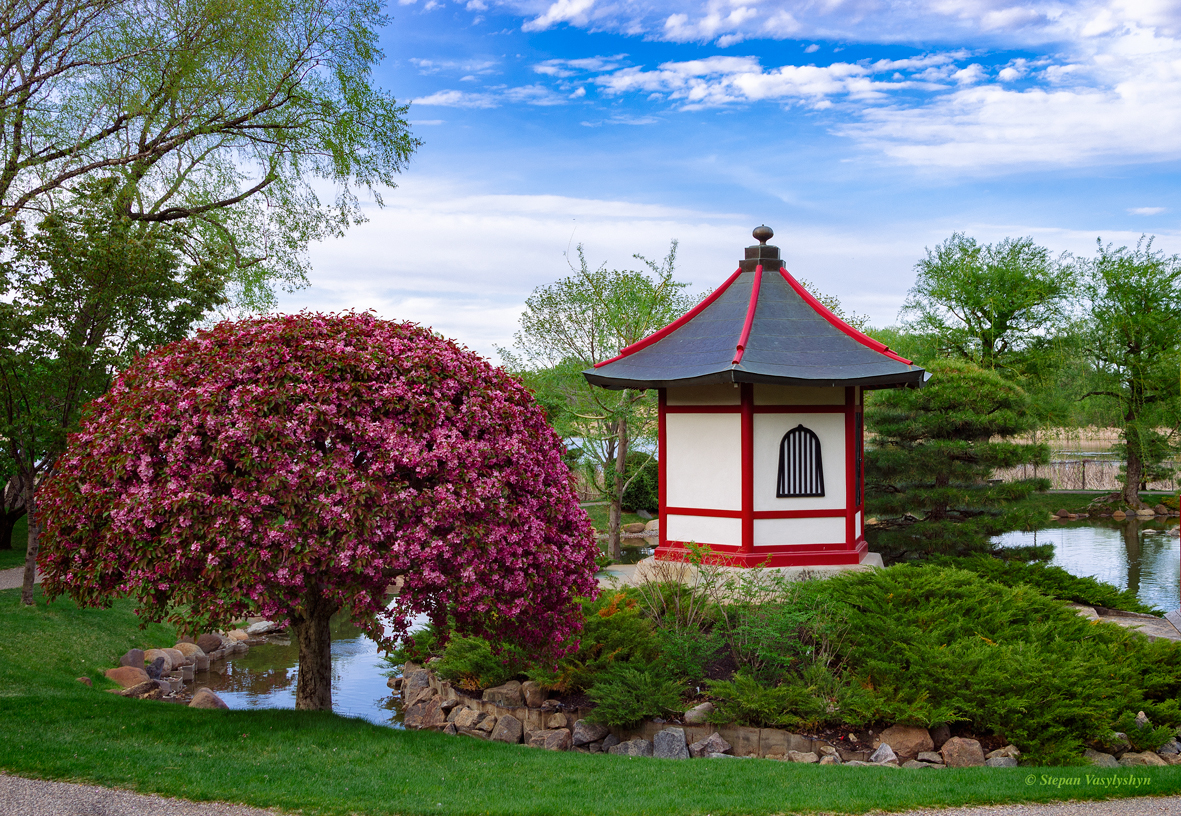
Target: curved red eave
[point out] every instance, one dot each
(822, 310)
(676, 324)
(750, 316)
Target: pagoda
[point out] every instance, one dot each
(761, 436)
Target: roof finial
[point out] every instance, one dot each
(763, 234)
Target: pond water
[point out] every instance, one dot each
(1143, 556)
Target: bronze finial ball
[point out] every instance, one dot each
(763, 234)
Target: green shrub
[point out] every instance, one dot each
(627, 694)
(1143, 737)
(746, 701)
(686, 653)
(470, 663)
(1053, 581)
(416, 648)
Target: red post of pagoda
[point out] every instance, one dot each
(761, 435)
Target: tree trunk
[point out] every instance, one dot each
(615, 519)
(313, 686)
(1133, 473)
(31, 553)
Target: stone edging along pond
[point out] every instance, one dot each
(517, 713)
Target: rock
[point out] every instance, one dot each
(533, 694)
(237, 635)
(1001, 762)
(425, 713)
(1007, 751)
(884, 753)
(1145, 512)
(670, 744)
(638, 747)
(506, 696)
(178, 659)
(609, 742)
(907, 740)
(1160, 510)
(555, 721)
(394, 682)
(127, 676)
(1142, 720)
(487, 724)
(140, 689)
(1116, 743)
(1170, 747)
(699, 714)
(449, 704)
(939, 734)
(150, 657)
(133, 657)
(634, 527)
(803, 756)
(508, 729)
(587, 732)
(190, 650)
(204, 698)
(414, 682)
(1133, 759)
(652, 526)
(960, 752)
(915, 765)
(262, 628)
(158, 667)
(1063, 513)
(830, 760)
(557, 739)
(1119, 515)
(209, 642)
(86, 681)
(722, 756)
(930, 756)
(450, 730)
(713, 744)
(467, 717)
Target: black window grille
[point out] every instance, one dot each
(800, 470)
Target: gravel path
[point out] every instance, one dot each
(35, 797)
(15, 577)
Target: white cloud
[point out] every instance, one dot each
(812, 49)
(534, 95)
(457, 99)
(1147, 210)
(428, 67)
(563, 11)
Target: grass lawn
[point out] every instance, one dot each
(20, 538)
(56, 728)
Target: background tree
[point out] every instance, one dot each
(995, 304)
(930, 459)
(1134, 341)
(580, 320)
(78, 298)
(294, 466)
(217, 115)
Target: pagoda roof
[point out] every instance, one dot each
(760, 326)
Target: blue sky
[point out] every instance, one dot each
(862, 131)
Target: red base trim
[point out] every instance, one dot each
(767, 556)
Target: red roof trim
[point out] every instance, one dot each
(822, 310)
(750, 316)
(676, 324)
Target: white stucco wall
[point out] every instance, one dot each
(780, 532)
(768, 432)
(704, 530)
(703, 461)
(798, 395)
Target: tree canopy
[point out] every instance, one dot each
(294, 466)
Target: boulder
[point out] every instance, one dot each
(670, 744)
(1001, 762)
(652, 526)
(638, 747)
(1142, 720)
(830, 759)
(533, 694)
(450, 730)
(506, 696)
(139, 689)
(1063, 513)
(699, 714)
(508, 729)
(209, 642)
(556, 721)
(554, 739)
(961, 752)
(907, 741)
(634, 527)
(713, 744)
(86, 681)
(466, 717)
(1170, 747)
(262, 629)
(150, 657)
(127, 676)
(1160, 510)
(414, 682)
(610, 741)
(1132, 759)
(883, 754)
(803, 756)
(190, 650)
(1119, 515)
(394, 683)
(587, 732)
(939, 734)
(425, 713)
(1145, 512)
(915, 765)
(1116, 743)
(204, 698)
(177, 658)
(237, 635)
(157, 669)
(931, 757)
(487, 724)
(133, 657)
(1007, 751)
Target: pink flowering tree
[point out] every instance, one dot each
(293, 467)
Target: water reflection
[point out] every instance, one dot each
(1141, 556)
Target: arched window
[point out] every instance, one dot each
(800, 470)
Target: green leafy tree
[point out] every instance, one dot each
(929, 464)
(1133, 338)
(78, 299)
(225, 117)
(582, 319)
(992, 304)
